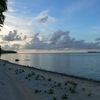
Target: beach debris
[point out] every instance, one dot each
(71, 82)
(16, 60)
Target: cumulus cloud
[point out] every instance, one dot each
(35, 43)
(35, 39)
(97, 39)
(25, 37)
(60, 40)
(56, 36)
(13, 36)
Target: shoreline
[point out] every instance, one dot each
(18, 82)
(63, 74)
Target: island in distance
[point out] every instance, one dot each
(6, 51)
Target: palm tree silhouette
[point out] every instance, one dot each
(3, 8)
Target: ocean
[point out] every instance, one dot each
(85, 65)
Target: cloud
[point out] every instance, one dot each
(44, 19)
(60, 40)
(10, 2)
(97, 39)
(95, 30)
(35, 43)
(10, 9)
(79, 5)
(13, 47)
(3, 42)
(28, 24)
(25, 37)
(56, 36)
(13, 36)
(35, 39)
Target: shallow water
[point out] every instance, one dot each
(85, 65)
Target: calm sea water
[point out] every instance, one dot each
(79, 64)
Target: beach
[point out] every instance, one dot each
(19, 82)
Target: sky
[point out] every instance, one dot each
(51, 24)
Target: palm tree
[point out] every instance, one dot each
(3, 8)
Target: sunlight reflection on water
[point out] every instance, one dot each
(79, 64)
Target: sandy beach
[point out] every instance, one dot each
(24, 83)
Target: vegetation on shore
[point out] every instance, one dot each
(50, 86)
(6, 51)
(3, 8)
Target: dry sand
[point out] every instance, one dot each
(23, 83)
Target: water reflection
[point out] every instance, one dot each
(84, 65)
